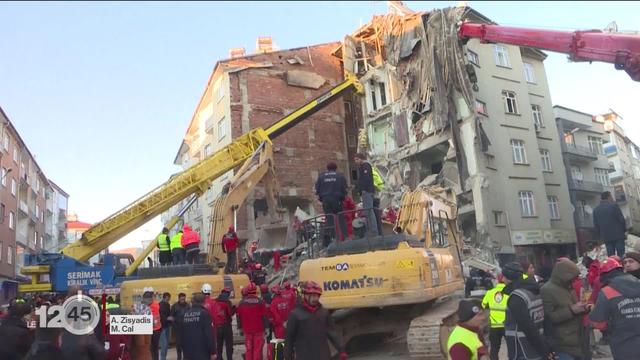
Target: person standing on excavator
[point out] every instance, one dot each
(367, 191)
(177, 251)
(191, 244)
(331, 189)
(164, 247)
(230, 243)
(310, 328)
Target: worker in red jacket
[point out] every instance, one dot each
(191, 244)
(209, 305)
(279, 310)
(252, 316)
(289, 293)
(349, 207)
(223, 311)
(230, 243)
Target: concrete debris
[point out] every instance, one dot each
(305, 79)
(295, 60)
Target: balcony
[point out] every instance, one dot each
(584, 220)
(579, 152)
(24, 208)
(586, 186)
(616, 176)
(24, 180)
(620, 196)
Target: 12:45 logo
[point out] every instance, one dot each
(78, 315)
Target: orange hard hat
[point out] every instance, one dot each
(311, 287)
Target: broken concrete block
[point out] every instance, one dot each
(305, 79)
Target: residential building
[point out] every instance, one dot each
(75, 229)
(57, 201)
(624, 156)
(587, 169)
(494, 142)
(251, 91)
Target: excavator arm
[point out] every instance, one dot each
(622, 50)
(196, 179)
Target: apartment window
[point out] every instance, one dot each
(220, 90)
(37, 210)
(595, 145)
(473, 57)
(12, 220)
(41, 242)
(510, 103)
(35, 238)
(602, 176)
(222, 129)
(519, 152)
(37, 185)
(5, 141)
(0, 251)
(536, 111)
(3, 176)
(499, 218)
(527, 204)
(529, 75)
(377, 94)
(207, 150)
(14, 187)
(501, 55)
(554, 209)
(576, 173)
(2, 212)
(545, 157)
(10, 255)
(15, 154)
(481, 107)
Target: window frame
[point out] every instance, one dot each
(529, 71)
(6, 141)
(530, 203)
(221, 125)
(3, 176)
(501, 49)
(12, 220)
(602, 174)
(518, 149)
(554, 207)
(483, 105)
(499, 218)
(545, 158)
(507, 97)
(473, 57)
(10, 255)
(596, 142)
(537, 120)
(14, 186)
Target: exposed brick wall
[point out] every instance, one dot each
(303, 151)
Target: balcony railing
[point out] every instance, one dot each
(24, 208)
(588, 186)
(578, 150)
(616, 175)
(584, 220)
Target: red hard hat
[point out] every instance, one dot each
(252, 289)
(311, 287)
(275, 289)
(258, 266)
(264, 288)
(609, 264)
(231, 228)
(286, 285)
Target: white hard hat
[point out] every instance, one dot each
(206, 289)
(147, 289)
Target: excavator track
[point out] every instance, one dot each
(428, 333)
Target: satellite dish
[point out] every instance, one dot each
(611, 28)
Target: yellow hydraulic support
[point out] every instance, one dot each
(194, 180)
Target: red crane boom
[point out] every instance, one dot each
(622, 50)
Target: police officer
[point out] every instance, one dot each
(496, 301)
(164, 247)
(466, 341)
(331, 189)
(196, 332)
(523, 324)
(177, 251)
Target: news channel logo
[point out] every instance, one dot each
(79, 315)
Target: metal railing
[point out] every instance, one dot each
(579, 150)
(589, 186)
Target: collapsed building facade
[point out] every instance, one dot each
(473, 118)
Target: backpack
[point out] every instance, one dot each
(378, 182)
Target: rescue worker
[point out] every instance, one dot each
(163, 243)
(157, 324)
(177, 251)
(496, 301)
(310, 328)
(610, 224)
(252, 318)
(367, 191)
(191, 244)
(280, 308)
(331, 189)
(258, 275)
(222, 320)
(165, 313)
(196, 333)
(631, 262)
(523, 325)
(16, 337)
(466, 341)
(478, 283)
(349, 207)
(112, 304)
(208, 304)
(617, 309)
(177, 313)
(230, 244)
(289, 294)
(265, 294)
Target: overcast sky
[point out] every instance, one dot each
(102, 93)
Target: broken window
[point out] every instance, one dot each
(481, 107)
(602, 176)
(519, 152)
(499, 218)
(536, 111)
(510, 104)
(527, 203)
(529, 75)
(595, 145)
(381, 136)
(473, 57)
(545, 157)
(376, 95)
(554, 209)
(501, 55)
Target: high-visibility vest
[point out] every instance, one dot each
(513, 334)
(112, 306)
(176, 241)
(496, 301)
(155, 312)
(468, 338)
(163, 242)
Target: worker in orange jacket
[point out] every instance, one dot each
(157, 324)
(191, 244)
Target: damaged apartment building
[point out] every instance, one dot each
(477, 118)
(248, 91)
